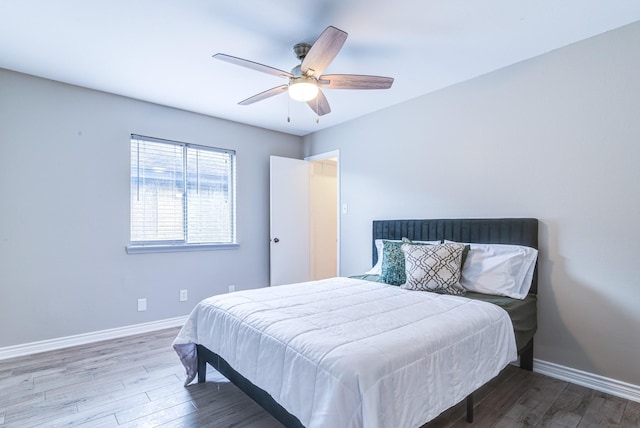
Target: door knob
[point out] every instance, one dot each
(276, 240)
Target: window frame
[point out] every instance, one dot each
(135, 247)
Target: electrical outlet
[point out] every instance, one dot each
(232, 288)
(183, 295)
(142, 305)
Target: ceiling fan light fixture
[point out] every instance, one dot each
(303, 88)
(306, 79)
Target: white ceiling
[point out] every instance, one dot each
(160, 50)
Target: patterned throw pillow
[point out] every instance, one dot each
(393, 270)
(433, 268)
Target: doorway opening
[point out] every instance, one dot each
(324, 215)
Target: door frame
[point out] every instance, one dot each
(324, 156)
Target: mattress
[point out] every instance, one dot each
(523, 313)
(352, 353)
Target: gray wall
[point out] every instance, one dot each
(557, 138)
(64, 217)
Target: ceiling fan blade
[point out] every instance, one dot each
(320, 104)
(354, 81)
(253, 65)
(323, 51)
(263, 95)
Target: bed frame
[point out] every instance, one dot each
(518, 231)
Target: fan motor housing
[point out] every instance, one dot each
(301, 50)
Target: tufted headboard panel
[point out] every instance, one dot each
(517, 231)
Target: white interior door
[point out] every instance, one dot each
(289, 227)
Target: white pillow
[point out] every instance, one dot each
(377, 269)
(499, 269)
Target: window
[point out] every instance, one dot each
(182, 196)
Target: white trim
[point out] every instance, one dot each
(150, 248)
(590, 380)
(85, 338)
(323, 156)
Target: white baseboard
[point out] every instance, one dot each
(83, 339)
(590, 380)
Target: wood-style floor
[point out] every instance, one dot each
(137, 382)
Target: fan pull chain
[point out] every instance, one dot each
(317, 111)
(288, 110)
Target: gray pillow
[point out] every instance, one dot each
(433, 268)
(393, 268)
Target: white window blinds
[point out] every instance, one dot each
(181, 194)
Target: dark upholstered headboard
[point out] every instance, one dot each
(517, 231)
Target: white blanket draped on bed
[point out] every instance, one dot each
(351, 353)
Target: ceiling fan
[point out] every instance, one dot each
(306, 80)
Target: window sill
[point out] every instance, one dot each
(140, 249)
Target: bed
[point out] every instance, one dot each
(515, 231)
(313, 355)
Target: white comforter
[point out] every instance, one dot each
(351, 353)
